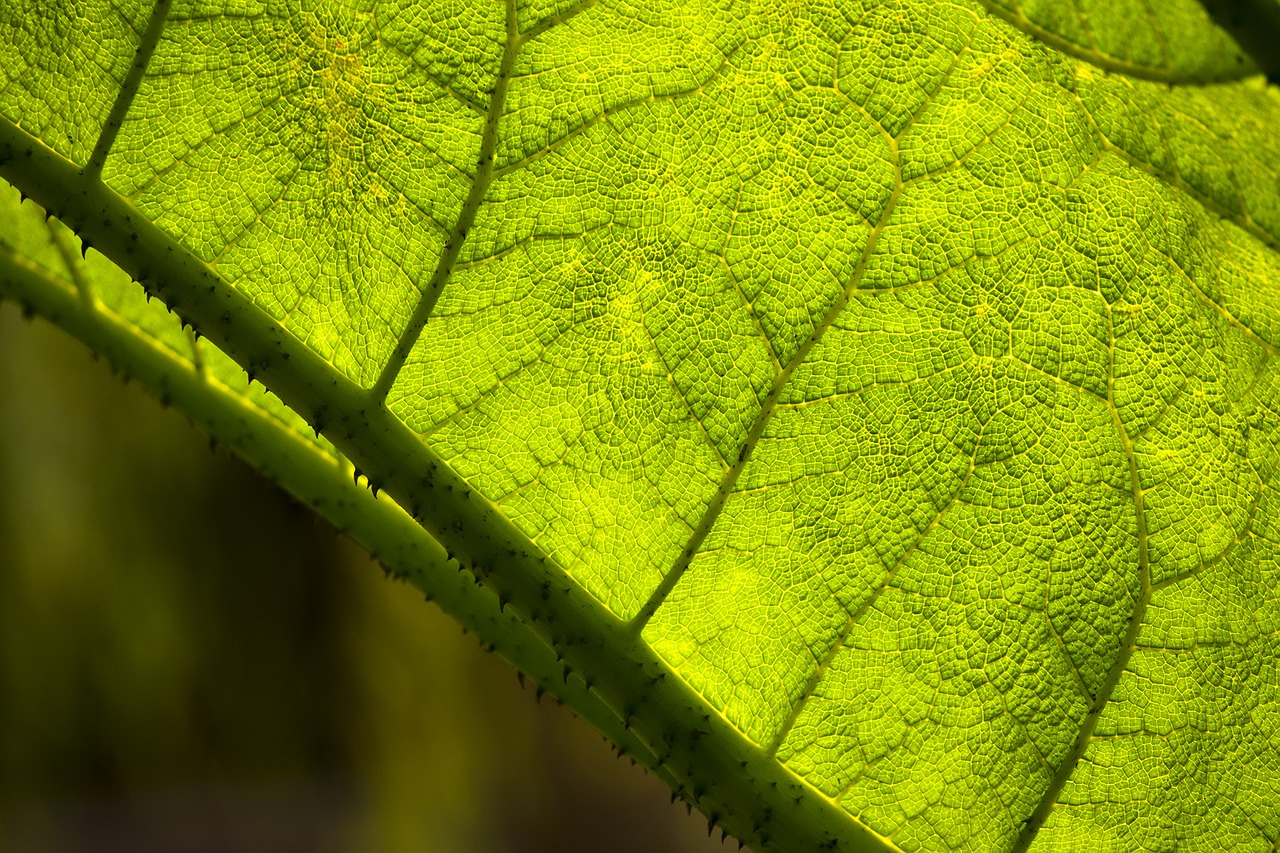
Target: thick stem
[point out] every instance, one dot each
(731, 779)
(320, 481)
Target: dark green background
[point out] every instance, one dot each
(190, 662)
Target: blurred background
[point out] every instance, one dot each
(191, 662)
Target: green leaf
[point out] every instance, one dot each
(873, 404)
(94, 301)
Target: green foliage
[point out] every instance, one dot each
(873, 403)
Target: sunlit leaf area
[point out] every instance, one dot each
(864, 414)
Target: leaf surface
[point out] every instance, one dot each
(874, 403)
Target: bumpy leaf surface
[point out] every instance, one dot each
(901, 373)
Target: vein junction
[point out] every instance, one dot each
(945, 485)
(515, 40)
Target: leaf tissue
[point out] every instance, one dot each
(865, 413)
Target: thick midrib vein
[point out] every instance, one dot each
(307, 471)
(726, 775)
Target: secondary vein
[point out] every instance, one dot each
(767, 408)
(839, 644)
(475, 197)
(466, 216)
(1169, 74)
(1066, 768)
(780, 382)
(132, 80)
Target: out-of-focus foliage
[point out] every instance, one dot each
(189, 663)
